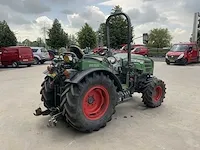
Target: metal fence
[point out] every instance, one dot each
(157, 52)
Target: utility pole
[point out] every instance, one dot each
(44, 32)
(101, 40)
(196, 25)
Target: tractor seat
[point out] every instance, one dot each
(75, 49)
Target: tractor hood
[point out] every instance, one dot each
(145, 64)
(134, 57)
(142, 63)
(124, 56)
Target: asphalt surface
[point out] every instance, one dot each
(173, 126)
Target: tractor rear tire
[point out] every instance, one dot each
(47, 93)
(89, 105)
(154, 92)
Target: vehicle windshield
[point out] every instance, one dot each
(124, 47)
(136, 49)
(179, 48)
(34, 50)
(44, 50)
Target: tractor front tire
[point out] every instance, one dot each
(154, 92)
(89, 105)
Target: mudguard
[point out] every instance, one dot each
(80, 75)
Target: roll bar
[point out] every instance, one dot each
(129, 36)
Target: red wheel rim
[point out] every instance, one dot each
(95, 102)
(158, 93)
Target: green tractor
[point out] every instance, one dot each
(84, 89)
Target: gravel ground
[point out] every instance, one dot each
(173, 126)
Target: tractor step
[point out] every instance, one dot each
(124, 96)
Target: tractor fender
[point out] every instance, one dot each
(81, 75)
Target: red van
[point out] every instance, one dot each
(183, 53)
(16, 55)
(141, 50)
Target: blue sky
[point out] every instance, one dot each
(28, 16)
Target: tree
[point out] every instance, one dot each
(57, 36)
(118, 29)
(37, 43)
(86, 37)
(7, 37)
(72, 39)
(27, 42)
(101, 34)
(159, 38)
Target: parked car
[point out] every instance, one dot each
(183, 53)
(41, 55)
(100, 50)
(16, 55)
(141, 50)
(135, 49)
(125, 48)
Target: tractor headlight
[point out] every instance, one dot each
(66, 58)
(181, 56)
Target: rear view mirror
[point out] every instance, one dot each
(190, 49)
(145, 38)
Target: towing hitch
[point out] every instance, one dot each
(54, 113)
(54, 119)
(39, 112)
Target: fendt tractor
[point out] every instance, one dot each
(84, 89)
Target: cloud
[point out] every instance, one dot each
(191, 5)
(177, 15)
(11, 17)
(67, 11)
(33, 30)
(147, 13)
(26, 6)
(92, 15)
(36, 28)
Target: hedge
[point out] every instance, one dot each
(157, 52)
